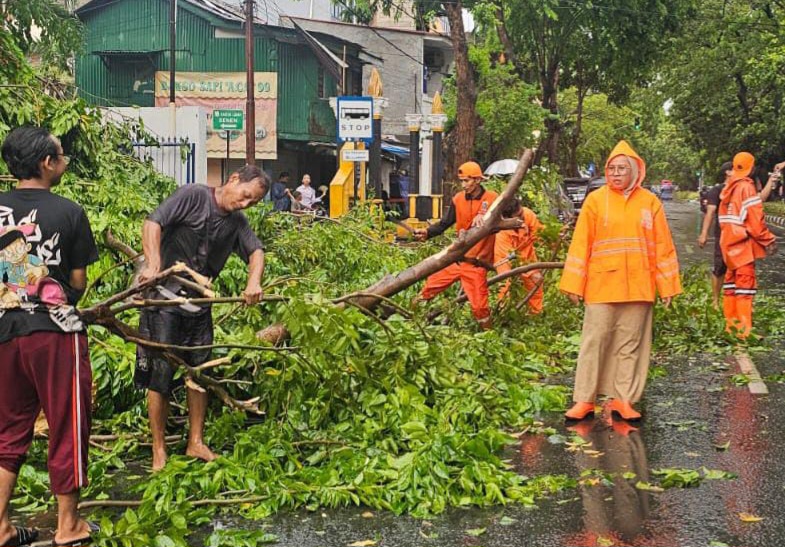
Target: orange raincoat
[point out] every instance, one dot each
(744, 237)
(521, 243)
(622, 249)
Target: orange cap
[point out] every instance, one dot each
(743, 162)
(470, 170)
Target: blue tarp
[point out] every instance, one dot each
(396, 150)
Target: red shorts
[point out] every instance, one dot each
(49, 371)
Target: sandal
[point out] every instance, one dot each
(81, 542)
(24, 536)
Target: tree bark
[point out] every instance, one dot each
(466, 118)
(549, 147)
(572, 167)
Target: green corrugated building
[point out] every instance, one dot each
(127, 48)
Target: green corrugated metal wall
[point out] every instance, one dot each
(140, 26)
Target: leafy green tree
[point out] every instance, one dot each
(461, 134)
(44, 28)
(507, 109)
(599, 47)
(726, 78)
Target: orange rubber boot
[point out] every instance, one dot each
(624, 409)
(579, 411)
(729, 311)
(744, 315)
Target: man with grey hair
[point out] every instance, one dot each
(201, 227)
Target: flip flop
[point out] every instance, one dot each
(24, 536)
(81, 542)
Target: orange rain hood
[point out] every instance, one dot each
(624, 149)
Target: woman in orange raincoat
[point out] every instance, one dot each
(621, 256)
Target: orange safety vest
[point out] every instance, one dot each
(465, 212)
(743, 231)
(622, 249)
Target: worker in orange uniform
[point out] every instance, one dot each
(621, 256)
(518, 245)
(468, 208)
(744, 238)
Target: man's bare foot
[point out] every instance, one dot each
(159, 460)
(200, 451)
(80, 531)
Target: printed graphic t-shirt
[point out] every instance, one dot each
(43, 237)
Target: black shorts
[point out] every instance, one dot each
(719, 263)
(171, 327)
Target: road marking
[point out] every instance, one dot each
(756, 385)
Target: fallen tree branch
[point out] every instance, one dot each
(174, 302)
(391, 285)
(129, 333)
(90, 504)
(91, 314)
(334, 221)
(161, 346)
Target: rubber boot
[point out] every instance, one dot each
(624, 410)
(579, 411)
(744, 315)
(729, 311)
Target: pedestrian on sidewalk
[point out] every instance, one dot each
(279, 193)
(744, 238)
(307, 192)
(468, 208)
(518, 245)
(46, 245)
(621, 256)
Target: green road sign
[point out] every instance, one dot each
(228, 120)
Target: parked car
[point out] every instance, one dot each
(666, 190)
(577, 188)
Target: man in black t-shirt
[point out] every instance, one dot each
(45, 247)
(201, 227)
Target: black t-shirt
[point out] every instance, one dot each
(713, 198)
(194, 231)
(43, 237)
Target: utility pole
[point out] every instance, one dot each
(250, 106)
(172, 62)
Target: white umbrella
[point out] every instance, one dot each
(502, 167)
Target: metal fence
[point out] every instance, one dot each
(170, 157)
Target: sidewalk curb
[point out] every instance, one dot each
(775, 219)
(756, 385)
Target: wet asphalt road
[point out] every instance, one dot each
(695, 418)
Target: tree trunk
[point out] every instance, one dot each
(572, 167)
(466, 117)
(549, 146)
(390, 285)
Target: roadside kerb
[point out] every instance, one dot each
(748, 368)
(776, 220)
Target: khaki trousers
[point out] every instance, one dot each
(615, 351)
